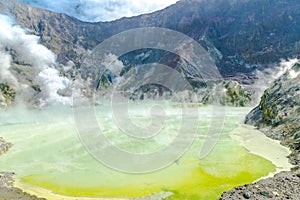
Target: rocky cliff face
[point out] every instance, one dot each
(239, 35)
(278, 114)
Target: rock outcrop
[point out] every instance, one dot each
(7, 95)
(4, 146)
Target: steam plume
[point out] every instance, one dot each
(41, 60)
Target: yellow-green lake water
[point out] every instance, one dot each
(47, 153)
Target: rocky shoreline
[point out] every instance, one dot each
(9, 192)
(7, 189)
(278, 116)
(285, 185)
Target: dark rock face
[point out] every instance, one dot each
(278, 114)
(239, 35)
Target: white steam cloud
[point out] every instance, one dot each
(100, 10)
(267, 76)
(41, 60)
(5, 75)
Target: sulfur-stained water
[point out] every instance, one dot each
(48, 153)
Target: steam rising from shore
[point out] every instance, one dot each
(41, 60)
(267, 76)
(5, 75)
